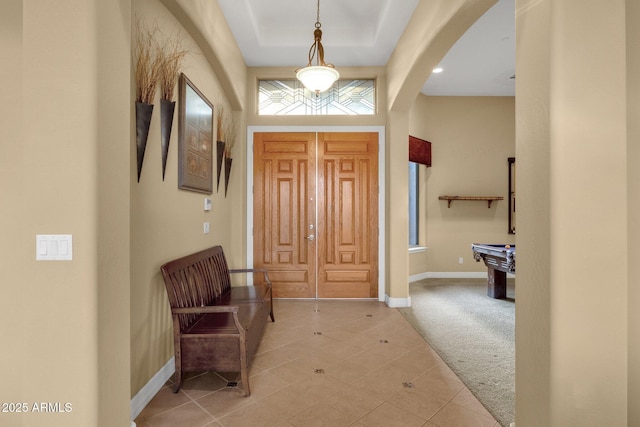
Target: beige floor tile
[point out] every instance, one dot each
(331, 363)
(223, 402)
(414, 363)
(355, 339)
(188, 414)
(441, 380)
(302, 395)
(276, 357)
(377, 355)
(163, 401)
(201, 385)
(302, 367)
(387, 415)
(467, 400)
(420, 401)
(381, 384)
(322, 415)
(353, 403)
(346, 372)
(256, 414)
(453, 415)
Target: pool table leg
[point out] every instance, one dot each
(497, 283)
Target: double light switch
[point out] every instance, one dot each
(54, 247)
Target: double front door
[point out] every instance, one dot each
(315, 210)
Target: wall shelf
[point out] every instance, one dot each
(488, 199)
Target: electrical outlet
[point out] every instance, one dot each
(206, 228)
(460, 260)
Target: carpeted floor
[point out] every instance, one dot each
(474, 334)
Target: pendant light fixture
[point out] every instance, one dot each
(319, 77)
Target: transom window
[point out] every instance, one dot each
(291, 98)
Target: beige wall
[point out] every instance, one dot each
(12, 161)
(572, 323)
(471, 137)
(167, 222)
(633, 192)
(66, 139)
(533, 235)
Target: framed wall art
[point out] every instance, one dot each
(195, 139)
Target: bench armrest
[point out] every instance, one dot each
(264, 272)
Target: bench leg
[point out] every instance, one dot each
(178, 376)
(244, 370)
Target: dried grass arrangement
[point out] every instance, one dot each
(219, 127)
(172, 56)
(158, 64)
(148, 64)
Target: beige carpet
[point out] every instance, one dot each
(474, 334)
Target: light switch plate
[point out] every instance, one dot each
(207, 204)
(54, 247)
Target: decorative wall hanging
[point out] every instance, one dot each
(230, 140)
(146, 77)
(220, 158)
(172, 57)
(226, 140)
(195, 139)
(219, 145)
(419, 151)
(228, 159)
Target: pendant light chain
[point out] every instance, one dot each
(318, 24)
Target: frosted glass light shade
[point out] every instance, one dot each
(317, 78)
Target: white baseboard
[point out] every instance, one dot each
(457, 275)
(397, 302)
(452, 275)
(418, 277)
(150, 389)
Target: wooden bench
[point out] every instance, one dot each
(216, 327)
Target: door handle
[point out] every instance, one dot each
(310, 237)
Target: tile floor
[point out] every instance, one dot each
(328, 363)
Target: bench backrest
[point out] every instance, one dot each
(196, 280)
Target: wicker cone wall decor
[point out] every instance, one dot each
(167, 109)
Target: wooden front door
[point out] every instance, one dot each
(316, 213)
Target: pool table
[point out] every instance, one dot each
(500, 260)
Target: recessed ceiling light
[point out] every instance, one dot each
(438, 70)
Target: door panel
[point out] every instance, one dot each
(346, 233)
(284, 207)
(347, 215)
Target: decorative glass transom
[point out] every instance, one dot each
(290, 98)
